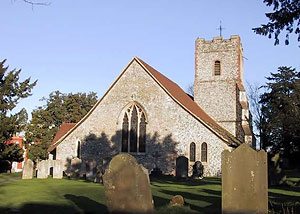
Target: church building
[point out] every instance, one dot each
(149, 116)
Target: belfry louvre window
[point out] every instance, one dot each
(204, 152)
(217, 68)
(134, 130)
(192, 152)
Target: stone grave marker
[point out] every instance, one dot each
(91, 169)
(57, 169)
(42, 169)
(198, 170)
(27, 170)
(182, 167)
(244, 181)
(126, 185)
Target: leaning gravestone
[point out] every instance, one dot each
(126, 187)
(182, 167)
(244, 181)
(27, 170)
(57, 169)
(42, 168)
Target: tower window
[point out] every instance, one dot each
(217, 68)
(78, 149)
(192, 152)
(204, 152)
(134, 130)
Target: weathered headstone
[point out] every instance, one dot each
(126, 187)
(74, 169)
(27, 170)
(182, 167)
(197, 170)
(244, 181)
(42, 169)
(91, 170)
(276, 175)
(57, 169)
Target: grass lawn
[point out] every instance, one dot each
(77, 196)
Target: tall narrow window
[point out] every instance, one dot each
(78, 149)
(134, 130)
(193, 152)
(142, 137)
(217, 68)
(204, 152)
(125, 126)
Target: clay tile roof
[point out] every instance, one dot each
(63, 129)
(179, 95)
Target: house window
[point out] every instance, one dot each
(134, 130)
(204, 152)
(217, 68)
(192, 152)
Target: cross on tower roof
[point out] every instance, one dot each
(220, 28)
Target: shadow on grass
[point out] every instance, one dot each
(82, 205)
(86, 204)
(186, 182)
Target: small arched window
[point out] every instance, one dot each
(217, 68)
(204, 152)
(134, 130)
(192, 152)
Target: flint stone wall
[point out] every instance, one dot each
(168, 124)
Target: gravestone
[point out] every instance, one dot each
(197, 170)
(75, 168)
(27, 170)
(177, 200)
(57, 169)
(182, 167)
(42, 169)
(91, 170)
(276, 175)
(244, 181)
(127, 189)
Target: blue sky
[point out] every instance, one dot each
(83, 45)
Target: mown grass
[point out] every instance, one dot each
(78, 196)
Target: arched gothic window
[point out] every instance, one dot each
(134, 130)
(192, 152)
(217, 68)
(204, 152)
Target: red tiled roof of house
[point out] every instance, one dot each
(63, 129)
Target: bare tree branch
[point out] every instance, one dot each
(37, 3)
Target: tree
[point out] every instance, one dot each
(12, 152)
(280, 107)
(46, 119)
(11, 91)
(286, 17)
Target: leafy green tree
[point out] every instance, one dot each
(12, 152)
(59, 108)
(11, 91)
(286, 17)
(281, 112)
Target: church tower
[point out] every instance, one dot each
(218, 86)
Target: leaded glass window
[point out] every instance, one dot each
(134, 130)
(192, 152)
(204, 152)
